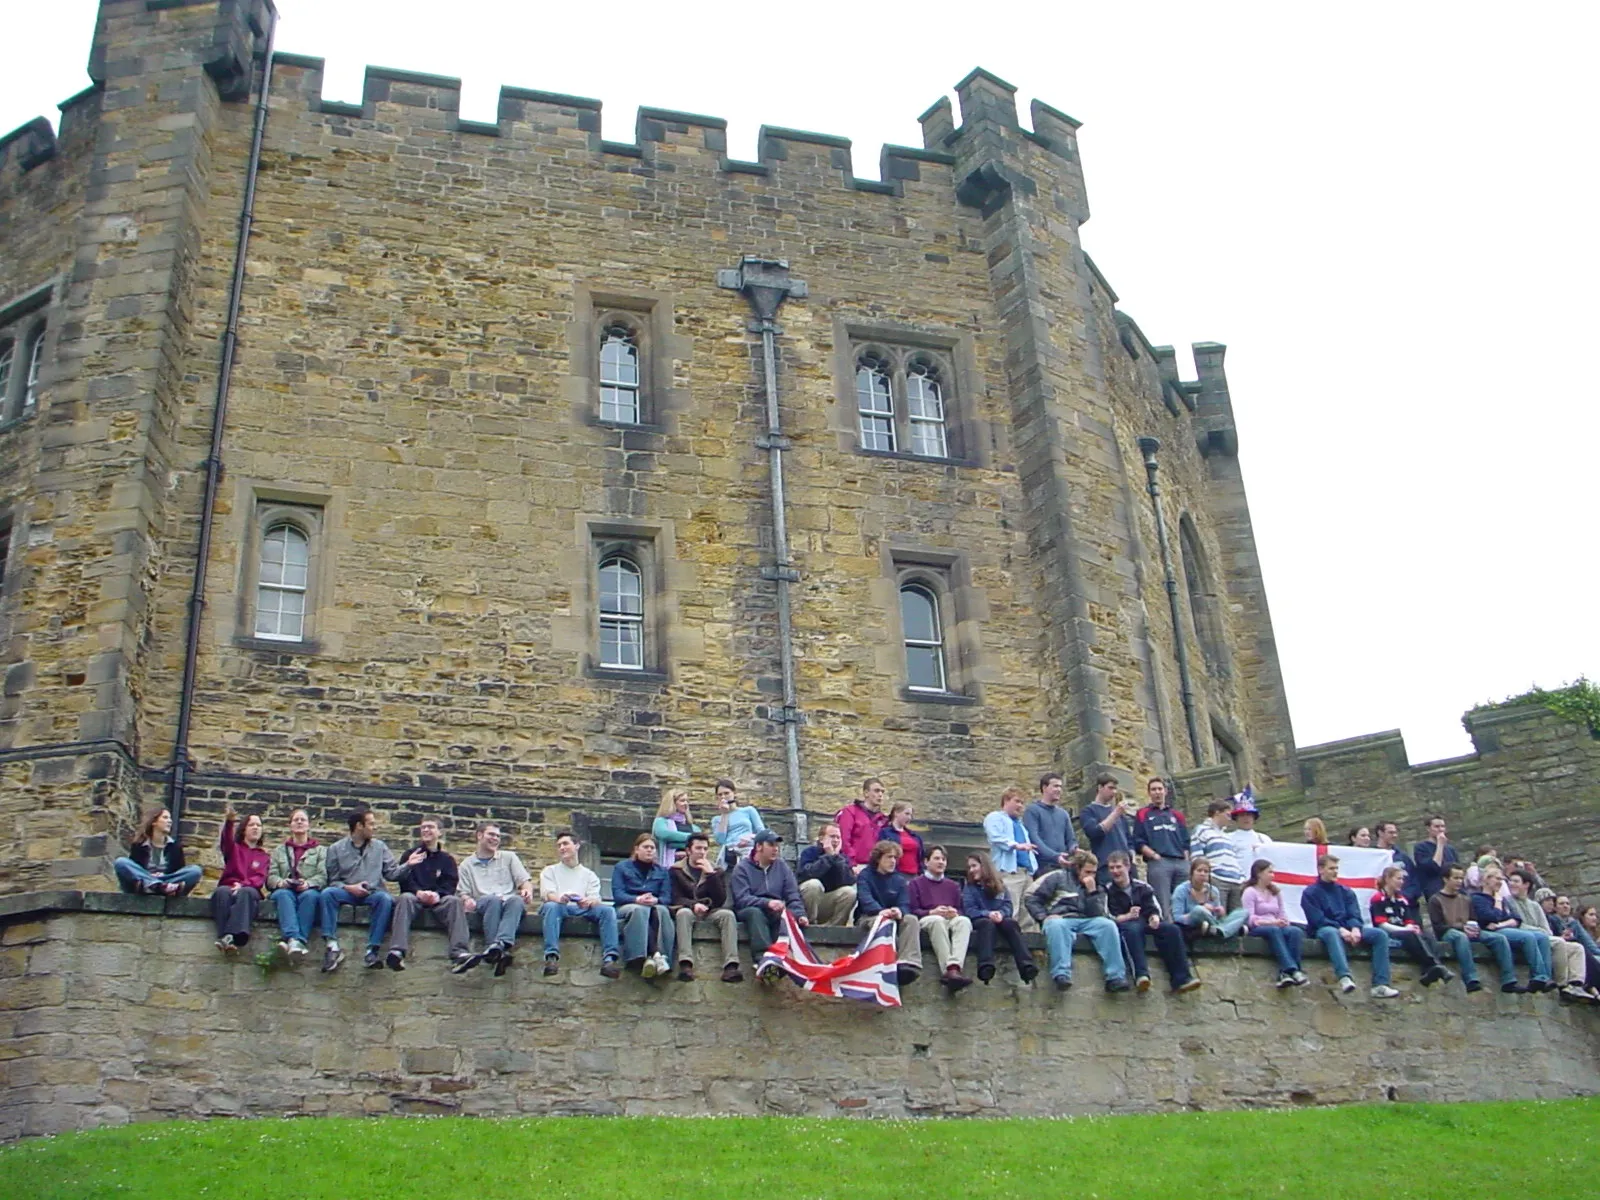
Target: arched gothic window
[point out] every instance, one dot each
(924, 638)
(874, 404)
(925, 409)
(281, 583)
(621, 615)
(30, 386)
(619, 375)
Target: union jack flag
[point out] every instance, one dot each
(866, 974)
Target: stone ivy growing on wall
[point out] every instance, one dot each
(1577, 701)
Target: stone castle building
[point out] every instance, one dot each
(512, 467)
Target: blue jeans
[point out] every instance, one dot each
(1461, 945)
(1372, 936)
(1535, 949)
(1287, 943)
(502, 917)
(380, 901)
(132, 876)
(643, 924)
(1199, 920)
(297, 912)
(1059, 933)
(603, 915)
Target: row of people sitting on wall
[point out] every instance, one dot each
(1214, 899)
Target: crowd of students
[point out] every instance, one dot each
(1043, 869)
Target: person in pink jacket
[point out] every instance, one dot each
(1265, 919)
(244, 875)
(861, 821)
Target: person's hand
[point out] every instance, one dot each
(645, 898)
(774, 905)
(945, 911)
(859, 867)
(1063, 859)
(1149, 854)
(298, 885)
(997, 917)
(469, 904)
(526, 892)
(1134, 911)
(588, 901)
(1028, 846)
(428, 898)
(358, 890)
(701, 910)
(1155, 921)
(802, 921)
(415, 857)
(893, 914)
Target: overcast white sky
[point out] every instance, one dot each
(1382, 208)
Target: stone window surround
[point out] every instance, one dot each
(643, 545)
(953, 351)
(650, 316)
(1205, 617)
(25, 320)
(962, 608)
(262, 506)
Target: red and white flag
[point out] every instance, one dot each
(1294, 868)
(867, 974)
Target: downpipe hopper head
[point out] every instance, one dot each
(765, 283)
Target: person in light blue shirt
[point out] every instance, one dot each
(735, 826)
(1014, 856)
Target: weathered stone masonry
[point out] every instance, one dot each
(416, 370)
(108, 1014)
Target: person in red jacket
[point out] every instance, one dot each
(244, 875)
(860, 822)
(898, 829)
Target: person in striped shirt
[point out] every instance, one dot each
(1212, 842)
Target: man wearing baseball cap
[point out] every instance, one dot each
(763, 885)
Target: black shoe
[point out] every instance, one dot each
(905, 973)
(492, 952)
(1063, 984)
(331, 960)
(1514, 989)
(985, 972)
(396, 960)
(1432, 975)
(610, 969)
(1116, 985)
(464, 963)
(552, 965)
(1474, 985)
(954, 980)
(372, 960)
(1029, 973)
(1541, 985)
(502, 964)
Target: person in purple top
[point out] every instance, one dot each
(936, 903)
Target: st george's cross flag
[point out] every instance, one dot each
(1294, 868)
(867, 974)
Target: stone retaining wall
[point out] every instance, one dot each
(109, 1014)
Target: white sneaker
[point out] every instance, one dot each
(663, 967)
(1346, 984)
(297, 950)
(1384, 992)
(648, 968)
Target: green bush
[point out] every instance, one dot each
(1576, 701)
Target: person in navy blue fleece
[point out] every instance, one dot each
(1107, 825)
(984, 899)
(1333, 916)
(1132, 904)
(1433, 856)
(882, 889)
(642, 891)
(1161, 838)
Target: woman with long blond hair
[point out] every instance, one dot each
(1315, 832)
(673, 825)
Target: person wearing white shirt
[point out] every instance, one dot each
(570, 889)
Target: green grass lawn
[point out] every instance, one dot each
(1545, 1149)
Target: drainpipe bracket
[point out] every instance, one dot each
(773, 441)
(783, 574)
(786, 715)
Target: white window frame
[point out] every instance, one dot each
(283, 586)
(621, 399)
(619, 619)
(875, 423)
(925, 415)
(935, 644)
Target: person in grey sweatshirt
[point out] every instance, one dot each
(358, 865)
(763, 885)
(1049, 827)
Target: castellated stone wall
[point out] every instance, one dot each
(416, 381)
(108, 1015)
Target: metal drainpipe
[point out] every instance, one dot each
(766, 284)
(181, 764)
(1148, 447)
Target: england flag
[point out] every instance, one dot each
(1294, 868)
(866, 974)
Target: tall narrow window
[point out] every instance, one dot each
(619, 375)
(281, 584)
(8, 352)
(30, 387)
(924, 639)
(925, 409)
(875, 404)
(621, 615)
